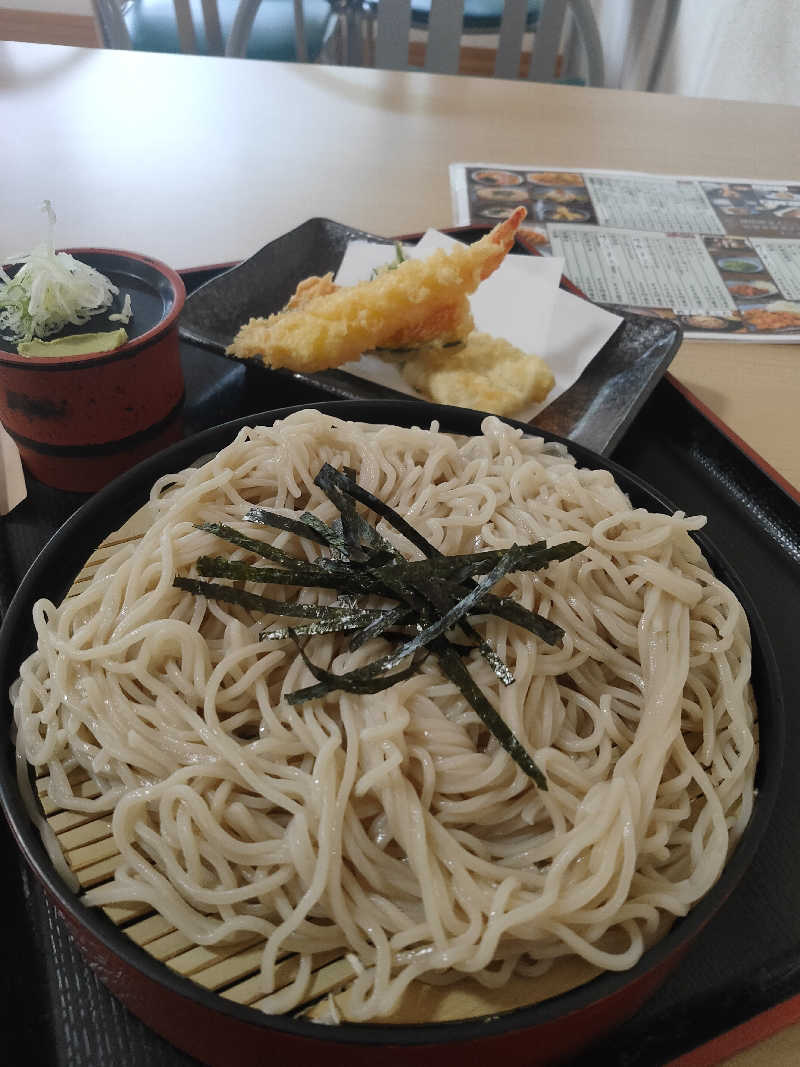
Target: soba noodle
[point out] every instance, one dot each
(393, 829)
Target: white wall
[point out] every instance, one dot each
(736, 49)
(629, 29)
(730, 49)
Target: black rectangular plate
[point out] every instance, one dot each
(746, 960)
(595, 411)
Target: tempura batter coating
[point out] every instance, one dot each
(487, 373)
(311, 288)
(420, 301)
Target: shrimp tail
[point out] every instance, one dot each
(499, 241)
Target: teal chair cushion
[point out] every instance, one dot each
(479, 15)
(152, 26)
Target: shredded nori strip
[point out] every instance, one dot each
(329, 535)
(231, 595)
(443, 597)
(550, 632)
(301, 575)
(434, 595)
(319, 626)
(459, 568)
(451, 665)
(329, 682)
(219, 567)
(259, 548)
(374, 503)
(399, 615)
(283, 522)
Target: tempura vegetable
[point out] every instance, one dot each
(488, 373)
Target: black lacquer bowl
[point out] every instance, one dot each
(220, 1032)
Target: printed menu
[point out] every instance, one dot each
(721, 255)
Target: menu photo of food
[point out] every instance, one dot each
(714, 324)
(547, 196)
(755, 209)
(761, 305)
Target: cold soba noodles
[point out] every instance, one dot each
(394, 830)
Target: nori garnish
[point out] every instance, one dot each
(434, 595)
(284, 522)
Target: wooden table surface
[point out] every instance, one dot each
(199, 161)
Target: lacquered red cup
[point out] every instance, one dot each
(79, 421)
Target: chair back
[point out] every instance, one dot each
(114, 31)
(115, 34)
(243, 25)
(444, 37)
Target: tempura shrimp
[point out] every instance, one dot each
(418, 302)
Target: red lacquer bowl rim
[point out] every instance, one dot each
(62, 363)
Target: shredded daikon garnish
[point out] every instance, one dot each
(125, 314)
(50, 290)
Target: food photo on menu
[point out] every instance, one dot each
(720, 257)
(756, 209)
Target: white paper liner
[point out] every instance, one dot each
(520, 302)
